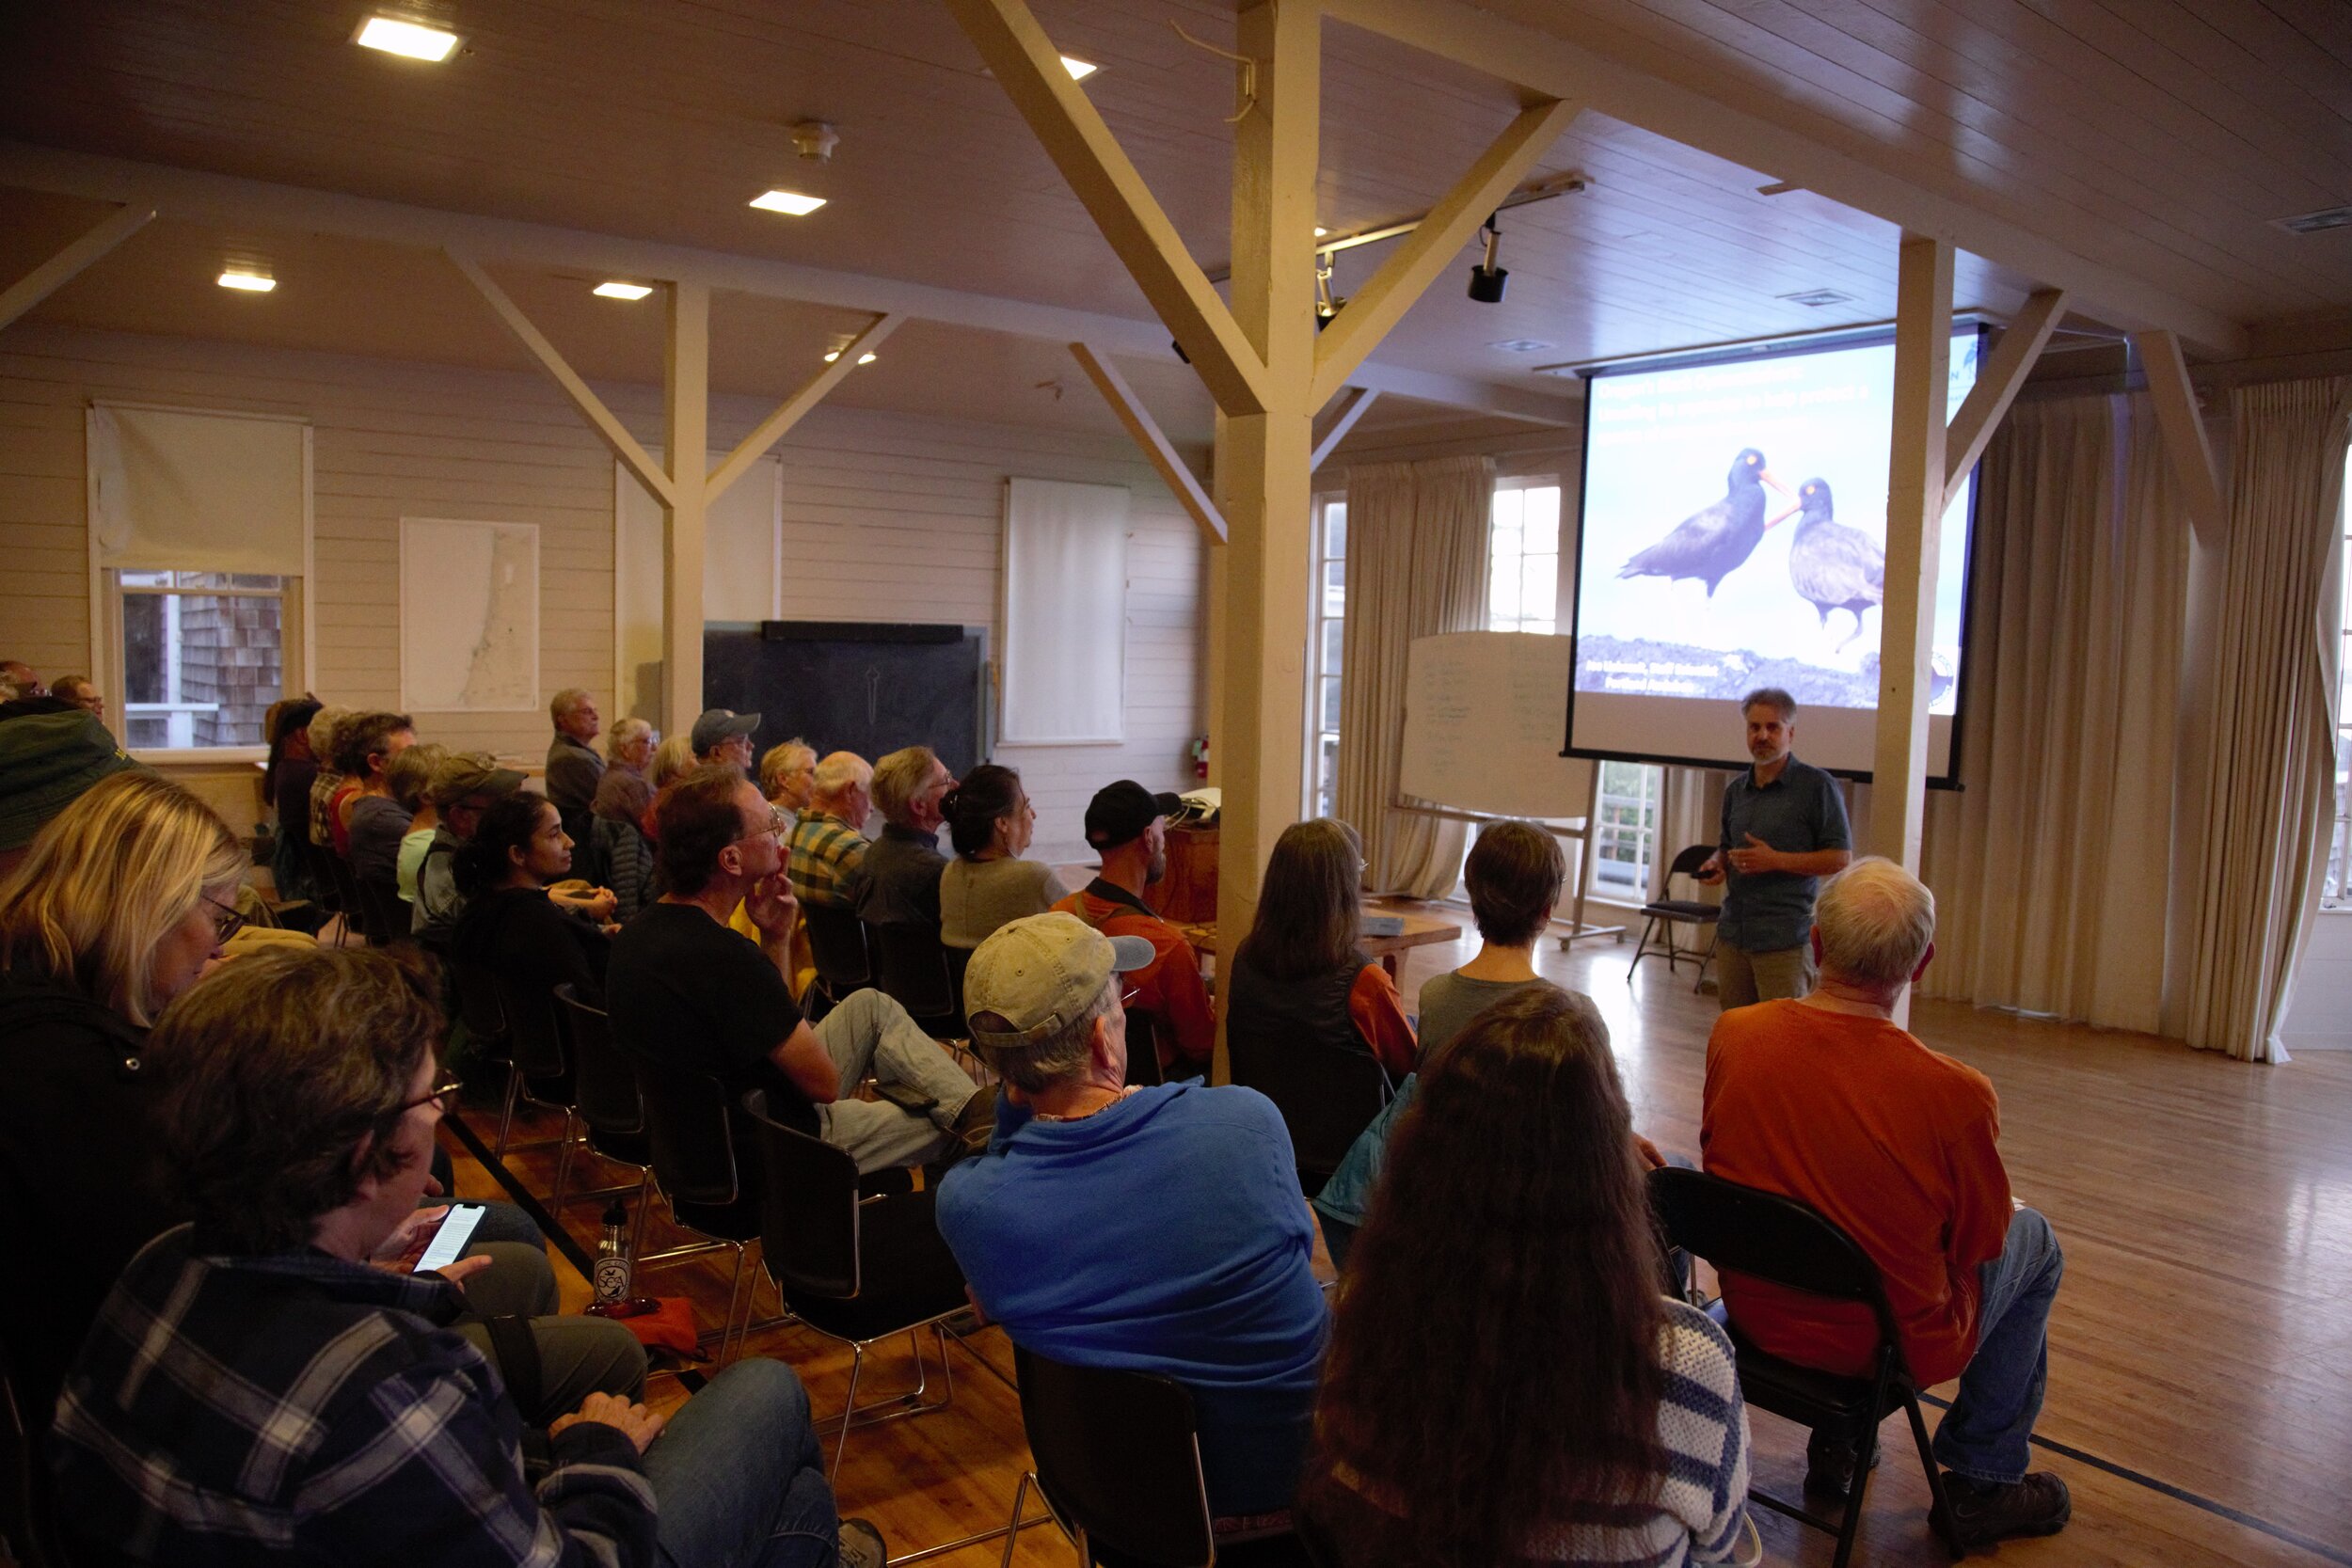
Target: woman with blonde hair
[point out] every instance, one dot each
(672, 760)
(125, 897)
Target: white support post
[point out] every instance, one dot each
(68, 263)
(1354, 404)
(2184, 431)
(1166, 461)
(686, 426)
(1915, 516)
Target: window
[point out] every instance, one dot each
(1625, 840)
(1326, 623)
(203, 657)
(1523, 556)
(2333, 892)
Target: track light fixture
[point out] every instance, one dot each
(1326, 303)
(1486, 279)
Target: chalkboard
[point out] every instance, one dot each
(859, 687)
(1481, 725)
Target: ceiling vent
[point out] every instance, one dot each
(1816, 298)
(1522, 345)
(2317, 223)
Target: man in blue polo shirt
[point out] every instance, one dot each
(1784, 828)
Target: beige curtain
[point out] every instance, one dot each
(2270, 769)
(2050, 869)
(1691, 811)
(1416, 566)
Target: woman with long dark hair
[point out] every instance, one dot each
(991, 823)
(510, 925)
(1302, 971)
(1505, 1383)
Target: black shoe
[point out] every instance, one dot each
(1829, 1465)
(1985, 1512)
(975, 1125)
(862, 1545)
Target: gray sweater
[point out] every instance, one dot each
(976, 896)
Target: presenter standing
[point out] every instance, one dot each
(1784, 828)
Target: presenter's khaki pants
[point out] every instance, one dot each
(1743, 978)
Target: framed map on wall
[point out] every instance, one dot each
(469, 617)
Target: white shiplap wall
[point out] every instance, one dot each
(885, 517)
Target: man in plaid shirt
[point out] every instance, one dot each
(828, 854)
(259, 1385)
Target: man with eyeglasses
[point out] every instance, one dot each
(685, 989)
(274, 1379)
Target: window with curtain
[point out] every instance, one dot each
(1326, 618)
(2333, 894)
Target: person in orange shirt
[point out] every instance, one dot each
(1126, 825)
(1302, 971)
(1827, 1100)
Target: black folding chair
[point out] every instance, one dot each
(1327, 1095)
(911, 968)
(855, 1266)
(1761, 1234)
(836, 939)
(28, 1525)
(610, 1111)
(1669, 913)
(538, 1070)
(383, 917)
(1118, 1461)
(691, 1140)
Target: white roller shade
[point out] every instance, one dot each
(177, 490)
(1065, 612)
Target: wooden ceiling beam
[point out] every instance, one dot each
(1382, 301)
(2183, 429)
(68, 263)
(1747, 125)
(1997, 381)
(793, 409)
(1166, 462)
(615, 435)
(1354, 404)
(1072, 132)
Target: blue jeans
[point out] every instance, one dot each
(1984, 1436)
(738, 1477)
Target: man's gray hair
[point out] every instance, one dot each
(899, 778)
(1876, 920)
(566, 700)
(625, 733)
(838, 770)
(1772, 697)
(1050, 1062)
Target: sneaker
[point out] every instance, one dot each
(862, 1545)
(1829, 1464)
(1984, 1511)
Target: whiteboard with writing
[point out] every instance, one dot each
(1484, 712)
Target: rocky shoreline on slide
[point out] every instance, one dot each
(1647, 667)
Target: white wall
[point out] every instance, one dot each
(886, 518)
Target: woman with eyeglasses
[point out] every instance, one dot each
(1302, 971)
(124, 901)
(510, 925)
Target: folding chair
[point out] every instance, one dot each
(1327, 1095)
(1669, 911)
(1777, 1239)
(911, 968)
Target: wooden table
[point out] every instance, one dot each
(1420, 931)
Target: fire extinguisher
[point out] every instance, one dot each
(1200, 759)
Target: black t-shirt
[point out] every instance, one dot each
(683, 988)
(519, 932)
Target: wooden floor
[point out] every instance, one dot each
(2201, 1365)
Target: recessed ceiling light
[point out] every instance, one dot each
(1320, 230)
(1521, 345)
(1079, 69)
(623, 290)
(247, 282)
(792, 202)
(835, 354)
(412, 41)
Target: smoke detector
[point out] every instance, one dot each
(816, 139)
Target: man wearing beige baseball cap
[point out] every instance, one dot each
(1155, 1229)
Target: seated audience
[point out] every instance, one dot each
(991, 821)
(573, 765)
(684, 987)
(410, 778)
(1515, 873)
(788, 774)
(82, 692)
(1126, 824)
(330, 783)
(21, 680)
(900, 885)
(270, 1381)
(673, 759)
(1156, 1229)
(465, 786)
(364, 748)
(1828, 1101)
(628, 749)
(286, 780)
(84, 971)
(828, 841)
(1505, 1383)
(721, 738)
(1300, 972)
(47, 759)
(617, 854)
(511, 927)
(384, 816)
